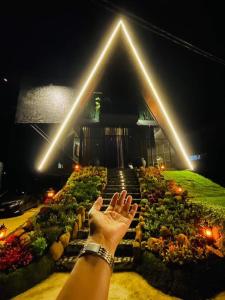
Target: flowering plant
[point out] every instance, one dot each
(13, 256)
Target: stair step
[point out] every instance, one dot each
(104, 206)
(111, 194)
(125, 248)
(119, 183)
(116, 188)
(118, 177)
(134, 223)
(121, 179)
(83, 233)
(127, 185)
(66, 263)
(107, 200)
(129, 191)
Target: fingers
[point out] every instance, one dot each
(97, 205)
(127, 204)
(117, 202)
(133, 211)
(120, 203)
(113, 202)
(122, 198)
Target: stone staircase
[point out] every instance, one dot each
(118, 180)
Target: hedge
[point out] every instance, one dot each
(22, 279)
(196, 281)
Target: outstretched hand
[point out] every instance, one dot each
(109, 227)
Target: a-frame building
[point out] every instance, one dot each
(159, 125)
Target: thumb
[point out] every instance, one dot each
(98, 204)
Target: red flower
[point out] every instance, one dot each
(13, 256)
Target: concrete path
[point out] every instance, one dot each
(14, 222)
(124, 286)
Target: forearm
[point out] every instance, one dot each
(91, 275)
(89, 279)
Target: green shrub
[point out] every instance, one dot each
(39, 246)
(175, 225)
(196, 281)
(52, 233)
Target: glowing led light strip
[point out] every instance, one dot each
(156, 96)
(84, 88)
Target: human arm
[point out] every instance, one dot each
(91, 275)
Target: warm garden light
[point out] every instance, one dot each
(120, 26)
(50, 194)
(208, 233)
(77, 168)
(3, 230)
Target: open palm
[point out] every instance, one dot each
(111, 225)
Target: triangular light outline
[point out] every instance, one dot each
(119, 25)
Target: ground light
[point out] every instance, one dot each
(50, 194)
(3, 230)
(119, 26)
(179, 189)
(77, 168)
(207, 232)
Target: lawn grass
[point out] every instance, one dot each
(201, 189)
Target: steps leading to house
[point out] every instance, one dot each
(117, 180)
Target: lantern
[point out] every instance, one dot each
(49, 195)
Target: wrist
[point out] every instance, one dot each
(99, 239)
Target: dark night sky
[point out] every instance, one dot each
(55, 44)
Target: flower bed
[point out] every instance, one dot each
(193, 281)
(44, 237)
(84, 185)
(20, 280)
(178, 239)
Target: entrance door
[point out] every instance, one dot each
(115, 147)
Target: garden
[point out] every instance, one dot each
(28, 254)
(178, 244)
(182, 238)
